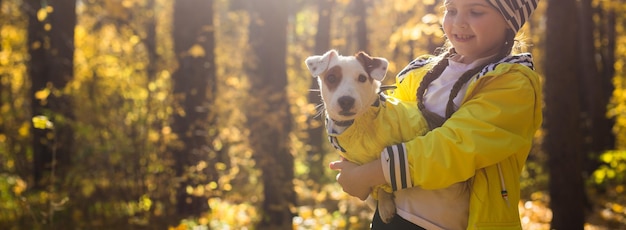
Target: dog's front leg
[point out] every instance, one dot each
(386, 205)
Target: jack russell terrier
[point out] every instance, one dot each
(351, 93)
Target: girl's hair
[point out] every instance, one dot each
(434, 120)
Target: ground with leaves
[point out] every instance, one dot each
(333, 209)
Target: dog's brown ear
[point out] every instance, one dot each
(375, 66)
(318, 64)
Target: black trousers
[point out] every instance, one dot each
(398, 223)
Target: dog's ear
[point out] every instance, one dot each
(379, 72)
(375, 66)
(318, 64)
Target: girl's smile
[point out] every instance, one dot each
(462, 38)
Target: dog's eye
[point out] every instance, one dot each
(362, 78)
(331, 78)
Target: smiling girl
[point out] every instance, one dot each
(483, 106)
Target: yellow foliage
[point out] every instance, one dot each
(203, 221)
(10, 164)
(42, 94)
(145, 203)
(42, 14)
(201, 166)
(619, 189)
(36, 45)
(127, 3)
(182, 226)
(23, 130)
(196, 51)
(220, 166)
(88, 187)
(212, 185)
(226, 214)
(617, 208)
(42, 122)
(19, 186)
(345, 2)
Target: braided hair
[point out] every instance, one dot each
(434, 120)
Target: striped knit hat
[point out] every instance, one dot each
(515, 12)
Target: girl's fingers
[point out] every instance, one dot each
(336, 165)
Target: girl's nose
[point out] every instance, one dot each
(460, 21)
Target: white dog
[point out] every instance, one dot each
(349, 86)
(361, 121)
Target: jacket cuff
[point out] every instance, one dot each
(396, 167)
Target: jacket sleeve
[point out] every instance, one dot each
(391, 123)
(497, 119)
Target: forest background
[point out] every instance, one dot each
(200, 114)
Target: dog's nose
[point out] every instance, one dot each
(346, 102)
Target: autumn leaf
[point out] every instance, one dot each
(19, 187)
(42, 122)
(42, 94)
(196, 51)
(42, 14)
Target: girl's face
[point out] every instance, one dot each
(475, 28)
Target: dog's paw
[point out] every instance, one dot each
(386, 206)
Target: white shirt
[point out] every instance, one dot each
(444, 208)
(438, 92)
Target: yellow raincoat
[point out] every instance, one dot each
(486, 141)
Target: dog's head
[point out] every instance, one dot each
(348, 84)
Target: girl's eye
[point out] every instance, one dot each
(451, 11)
(362, 78)
(476, 13)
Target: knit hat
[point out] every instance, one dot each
(515, 12)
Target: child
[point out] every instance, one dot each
(484, 107)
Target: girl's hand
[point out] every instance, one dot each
(351, 178)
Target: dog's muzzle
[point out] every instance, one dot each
(346, 103)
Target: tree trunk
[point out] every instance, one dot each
(563, 131)
(194, 92)
(52, 68)
(150, 41)
(360, 12)
(269, 116)
(315, 155)
(598, 137)
(37, 69)
(608, 32)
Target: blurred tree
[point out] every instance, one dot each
(607, 28)
(269, 117)
(51, 48)
(359, 10)
(150, 41)
(194, 90)
(598, 127)
(37, 69)
(562, 121)
(316, 132)
(2, 87)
